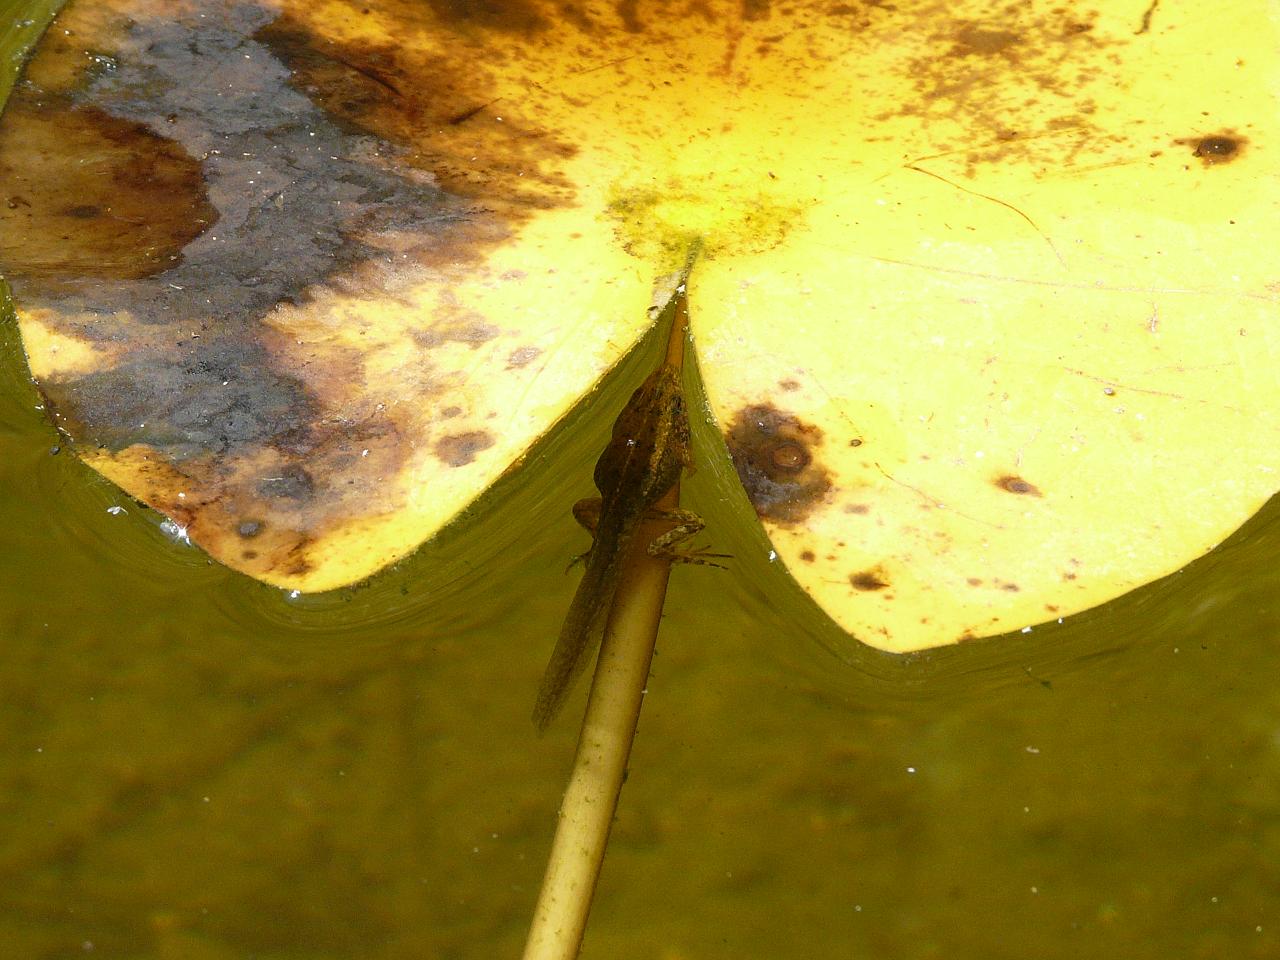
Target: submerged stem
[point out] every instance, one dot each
(608, 728)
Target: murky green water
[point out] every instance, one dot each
(196, 767)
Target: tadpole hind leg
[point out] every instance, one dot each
(687, 524)
(587, 513)
(703, 558)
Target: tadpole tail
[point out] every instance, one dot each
(583, 627)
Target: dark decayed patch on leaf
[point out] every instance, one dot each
(165, 219)
(187, 401)
(285, 204)
(1218, 148)
(1051, 53)
(165, 199)
(114, 200)
(388, 92)
(868, 580)
(1011, 483)
(772, 452)
(457, 450)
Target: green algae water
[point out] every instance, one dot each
(195, 767)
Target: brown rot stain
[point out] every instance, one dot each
(435, 106)
(971, 40)
(179, 227)
(790, 457)
(1217, 149)
(453, 325)
(997, 77)
(207, 396)
(1145, 24)
(230, 525)
(1012, 483)
(507, 16)
(249, 528)
(859, 508)
(772, 452)
(460, 449)
(299, 567)
(92, 197)
(175, 285)
(629, 15)
(84, 211)
(868, 580)
(292, 482)
(974, 582)
(808, 556)
(789, 385)
(465, 115)
(522, 355)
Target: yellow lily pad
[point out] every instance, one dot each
(983, 308)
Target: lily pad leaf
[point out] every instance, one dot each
(983, 310)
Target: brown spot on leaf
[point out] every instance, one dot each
(772, 452)
(1214, 149)
(522, 355)
(868, 580)
(1015, 484)
(461, 448)
(1217, 149)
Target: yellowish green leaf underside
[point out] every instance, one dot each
(986, 308)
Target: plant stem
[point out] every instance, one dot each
(613, 710)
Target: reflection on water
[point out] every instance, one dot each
(197, 766)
